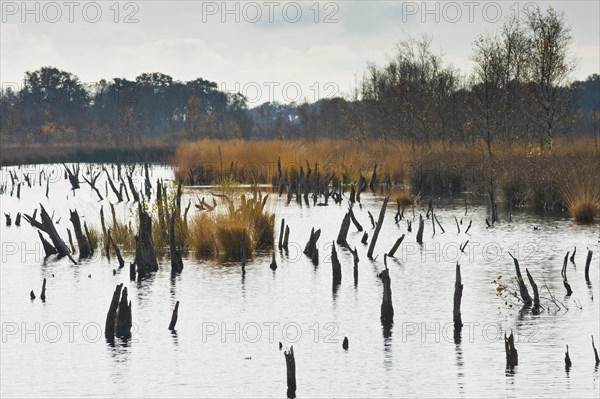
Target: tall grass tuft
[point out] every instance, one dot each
(581, 193)
(234, 229)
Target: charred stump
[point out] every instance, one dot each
(145, 255)
(176, 260)
(512, 357)
(458, 290)
(588, 262)
(536, 294)
(564, 276)
(336, 267)
(420, 231)
(48, 248)
(396, 246)
(343, 234)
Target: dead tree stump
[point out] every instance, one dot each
(387, 309)
(354, 221)
(311, 249)
(536, 294)
(48, 248)
(522, 287)
(174, 317)
(123, 321)
(82, 242)
(377, 228)
(176, 260)
(343, 234)
(336, 267)
(290, 363)
(396, 246)
(458, 290)
(286, 237)
(420, 231)
(145, 255)
(564, 276)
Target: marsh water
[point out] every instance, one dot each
(227, 339)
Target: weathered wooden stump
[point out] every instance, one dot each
(458, 290)
(420, 231)
(111, 316)
(273, 264)
(47, 226)
(82, 242)
(18, 219)
(311, 246)
(345, 344)
(377, 228)
(365, 238)
(116, 250)
(290, 363)
(354, 221)
(336, 267)
(8, 219)
(48, 248)
(568, 363)
(396, 246)
(564, 276)
(522, 287)
(281, 231)
(123, 323)
(355, 258)
(536, 294)
(597, 358)
(174, 317)
(468, 227)
(176, 260)
(387, 309)
(145, 255)
(43, 294)
(343, 234)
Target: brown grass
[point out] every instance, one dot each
(581, 192)
(236, 227)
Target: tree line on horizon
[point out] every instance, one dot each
(519, 89)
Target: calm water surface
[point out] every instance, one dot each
(229, 326)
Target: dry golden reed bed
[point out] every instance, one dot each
(521, 172)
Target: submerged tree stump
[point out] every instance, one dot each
(336, 267)
(116, 250)
(564, 276)
(420, 231)
(354, 221)
(396, 246)
(597, 358)
(364, 238)
(286, 237)
(377, 228)
(176, 260)
(281, 230)
(343, 234)
(568, 363)
(290, 363)
(48, 248)
(145, 255)
(111, 316)
(8, 219)
(174, 317)
(536, 294)
(311, 249)
(458, 290)
(18, 219)
(47, 226)
(43, 294)
(123, 321)
(273, 264)
(82, 242)
(355, 258)
(387, 309)
(522, 287)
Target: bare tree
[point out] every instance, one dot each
(549, 68)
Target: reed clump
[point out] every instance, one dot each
(237, 228)
(581, 193)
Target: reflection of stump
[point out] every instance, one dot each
(588, 262)
(290, 363)
(512, 357)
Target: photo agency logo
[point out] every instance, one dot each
(52, 12)
(256, 93)
(54, 332)
(270, 12)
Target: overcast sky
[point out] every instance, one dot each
(268, 50)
